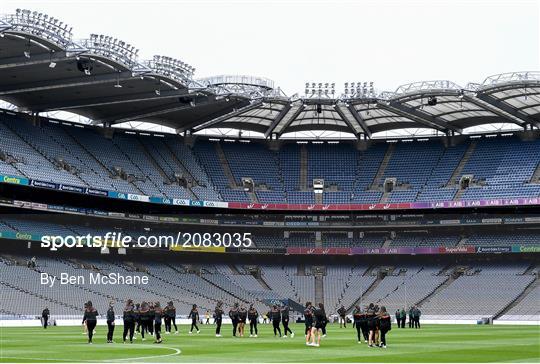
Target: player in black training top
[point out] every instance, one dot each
(169, 315)
(275, 316)
(158, 314)
(194, 316)
(371, 323)
(385, 325)
(377, 326)
(146, 319)
(359, 317)
(364, 325)
(308, 317)
(45, 317)
(319, 320)
(218, 317)
(285, 317)
(233, 314)
(172, 315)
(342, 312)
(110, 323)
(151, 312)
(253, 317)
(85, 329)
(129, 321)
(167, 319)
(242, 318)
(90, 318)
(137, 318)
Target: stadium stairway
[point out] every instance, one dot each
(387, 243)
(451, 278)
(225, 165)
(456, 175)
(303, 168)
(536, 175)
(126, 266)
(186, 288)
(49, 158)
(528, 289)
(262, 282)
(531, 270)
(222, 289)
(132, 153)
(349, 277)
(319, 287)
(459, 193)
(179, 163)
(385, 196)
(153, 161)
(377, 181)
(462, 241)
(318, 239)
(68, 131)
(252, 196)
(233, 268)
(368, 290)
(7, 157)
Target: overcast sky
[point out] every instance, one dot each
(291, 42)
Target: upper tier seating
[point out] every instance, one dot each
(501, 167)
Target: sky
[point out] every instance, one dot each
(296, 41)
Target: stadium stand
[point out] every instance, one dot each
(474, 294)
(497, 167)
(496, 285)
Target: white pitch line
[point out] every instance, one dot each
(176, 352)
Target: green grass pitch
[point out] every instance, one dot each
(432, 343)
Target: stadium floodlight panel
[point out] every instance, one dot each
(113, 48)
(171, 67)
(42, 25)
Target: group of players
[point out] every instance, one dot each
(315, 320)
(143, 318)
(372, 323)
(147, 317)
(240, 315)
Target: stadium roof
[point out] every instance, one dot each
(42, 69)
